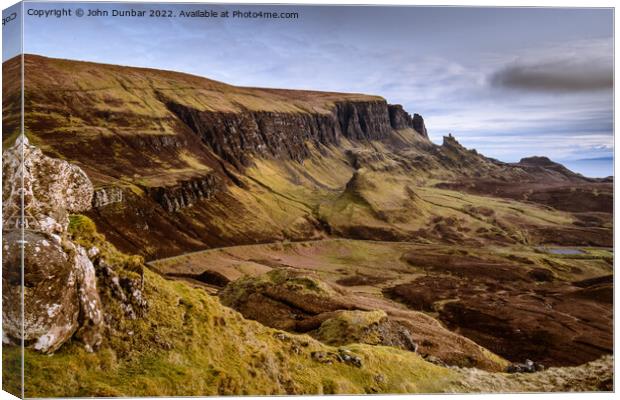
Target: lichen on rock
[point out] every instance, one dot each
(60, 294)
(49, 188)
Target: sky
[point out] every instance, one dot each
(510, 82)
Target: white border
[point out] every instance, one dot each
(475, 3)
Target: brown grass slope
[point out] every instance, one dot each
(166, 140)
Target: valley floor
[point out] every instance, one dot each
(520, 302)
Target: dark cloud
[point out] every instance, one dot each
(556, 76)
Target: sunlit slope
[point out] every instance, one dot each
(192, 345)
(182, 163)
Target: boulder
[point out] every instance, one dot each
(60, 292)
(60, 295)
(51, 188)
(284, 299)
(528, 366)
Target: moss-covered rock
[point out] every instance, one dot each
(284, 299)
(353, 327)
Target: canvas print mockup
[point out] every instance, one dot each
(220, 199)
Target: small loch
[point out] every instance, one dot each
(561, 250)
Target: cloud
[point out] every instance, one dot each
(564, 75)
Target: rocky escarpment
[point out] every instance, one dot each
(418, 125)
(533, 179)
(401, 119)
(61, 289)
(146, 159)
(187, 192)
(104, 196)
(60, 294)
(237, 136)
(368, 120)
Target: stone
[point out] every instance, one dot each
(349, 358)
(105, 196)
(186, 193)
(434, 360)
(528, 366)
(399, 118)
(281, 336)
(408, 341)
(322, 357)
(50, 188)
(93, 252)
(60, 294)
(419, 126)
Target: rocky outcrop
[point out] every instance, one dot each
(401, 119)
(60, 290)
(126, 289)
(237, 136)
(364, 120)
(418, 125)
(594, 376)
(61, 264)
(450, 142)
(60, 293)
(284, 299)
(296, 301)
(544, 168)
(107, 195)
(186, 193)
(158, 142)
(370, 327)
(48, 187)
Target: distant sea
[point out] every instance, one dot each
(592, 167)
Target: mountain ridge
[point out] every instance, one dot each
(194, 153)
(330, 218)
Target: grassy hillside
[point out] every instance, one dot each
(115, 122)
(131, 97)
(191, 345)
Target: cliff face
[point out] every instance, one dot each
(401, 119)
(107, 195)
(238, 136)
(134, 121)
(364, 121)
(186, 193)
(417, 123)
